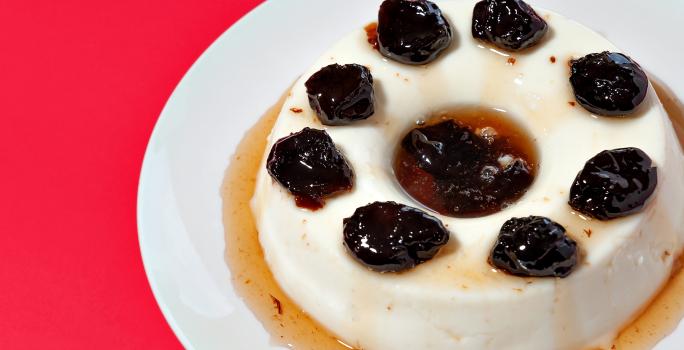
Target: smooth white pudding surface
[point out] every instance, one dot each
(456, 300)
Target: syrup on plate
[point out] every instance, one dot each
(466, 162)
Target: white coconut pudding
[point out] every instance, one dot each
(459, 186)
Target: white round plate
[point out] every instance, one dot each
(227, 90)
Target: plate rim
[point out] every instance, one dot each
(145, 170)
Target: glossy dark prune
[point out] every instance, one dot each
(391, 237)
(445, 150)
(508, 24)
(341, 94)
(614, 183)
(412, 31)
(456, 172)
(534, 246)
(308, 164)
(608, 83)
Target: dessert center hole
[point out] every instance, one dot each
(466, 162)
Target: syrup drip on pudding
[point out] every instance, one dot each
(372, 34)
(469, 162)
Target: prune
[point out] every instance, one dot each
(341, 94)
(445, 149)
(608, 83)
(508, 24)
(457, 172)
(308, 164)
(412, 31)
(614, 183)
(391, 237)
(534, 246)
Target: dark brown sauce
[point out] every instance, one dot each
(372, 34)
(290, 326)
(468, 162)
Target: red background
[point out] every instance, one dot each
(81, 86)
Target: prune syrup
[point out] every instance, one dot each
(468, 162)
